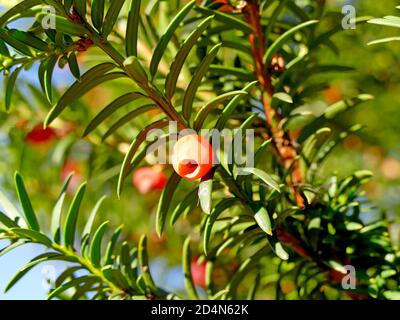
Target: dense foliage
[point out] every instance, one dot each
(204, 64)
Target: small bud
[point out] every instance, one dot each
(83, 44)
(278, 63)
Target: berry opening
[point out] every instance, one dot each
(189, 167)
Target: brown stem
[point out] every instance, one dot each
(282, 141)
(292, 242)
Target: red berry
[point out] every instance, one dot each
(198, 273)
(225, 6)
(192, 157)
(332, 94)
(147, 179)
(40, 135)
(71, 166)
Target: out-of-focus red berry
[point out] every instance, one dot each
(71, 166)
(147, 179)
(332, 94)
(156, 239)
(198, 272)
(21, 123)
(40, 135)
(225, 6)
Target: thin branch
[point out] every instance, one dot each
(282, 142)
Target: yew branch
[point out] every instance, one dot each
(283, 143)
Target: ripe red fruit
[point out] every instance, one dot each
(192, 157)
(147, 179)
(40, 135)
(198, 273)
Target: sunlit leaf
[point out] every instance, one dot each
(72, 217)
(26, 205)
(165, 201)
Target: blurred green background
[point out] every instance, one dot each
(375, 148)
